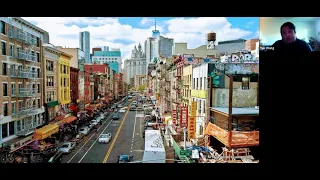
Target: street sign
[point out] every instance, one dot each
(186, 153)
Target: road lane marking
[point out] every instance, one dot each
(115, 137)
(88, 139)
(94, 142)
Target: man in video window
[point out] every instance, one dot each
(289, 42)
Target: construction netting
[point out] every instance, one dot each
(233, 138)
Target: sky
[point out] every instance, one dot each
(126, 32)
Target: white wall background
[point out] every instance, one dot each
(306, 27)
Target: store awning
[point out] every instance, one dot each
(69, 119)
(90, 108)
(46, 131)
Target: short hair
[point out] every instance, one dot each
(290, 25)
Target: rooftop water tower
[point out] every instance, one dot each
(210, 40)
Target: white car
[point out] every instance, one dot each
(105, 138)
(122, 110)
(67, 147)
(102, 116)
(93, 123)
(84, 130)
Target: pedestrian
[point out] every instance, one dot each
(95, 129)
(100, 123)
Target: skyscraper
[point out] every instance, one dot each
(156, 46)
(84, 45)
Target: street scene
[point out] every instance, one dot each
(151, 98)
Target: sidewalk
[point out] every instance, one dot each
(169, 149)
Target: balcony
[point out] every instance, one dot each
(24, 73)
(27, 110)
(26, 56)
(22, 36)
(26, 92)
(28, 128)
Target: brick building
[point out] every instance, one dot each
(74, 81)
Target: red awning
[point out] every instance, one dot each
(90, 108)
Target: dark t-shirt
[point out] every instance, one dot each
(298, 46)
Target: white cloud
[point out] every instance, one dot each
(146, 21)
(107, 31)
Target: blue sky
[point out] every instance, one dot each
(125, 33)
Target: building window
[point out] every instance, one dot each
(50, 96)
(11, 128)
(200, 83)
(38, 57)
(38, 88)
(11, 50)
(4, 68)
(5, 109)
(38, 42)
(5, 89)
(3, 48)
(5, 130)
(2, 27)
(13, 107)
(49, 66)
(13, 89)
(39, 105)
(20, 104)
(50, 80)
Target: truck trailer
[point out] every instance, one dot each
(154, 151)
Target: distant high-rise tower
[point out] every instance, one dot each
(84, 45)
(155, 32)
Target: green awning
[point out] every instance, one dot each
(53, 103)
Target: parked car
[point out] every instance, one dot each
(102, 116)
(105, 138)
(56, 158)
(115, 116)
(84, 130)
(93, 123)
(106, 113)
(139, 109)
(67, 147)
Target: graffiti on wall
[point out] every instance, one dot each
(241, 68)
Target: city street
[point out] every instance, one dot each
(93, 151)
(129, 140)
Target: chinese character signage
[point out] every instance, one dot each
(192, 127)
(192, 121)
(174, 117)
(184, 116)
(194, 109)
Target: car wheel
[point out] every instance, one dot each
(60, 159)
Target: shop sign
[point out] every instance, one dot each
(194, 109)
(184, 117)
(191, 127)
(174, 117)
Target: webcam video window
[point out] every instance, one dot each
(290, 34)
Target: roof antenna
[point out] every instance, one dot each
(155, 24)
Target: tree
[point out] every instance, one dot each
(142, 88)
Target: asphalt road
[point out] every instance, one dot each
(92, 151)
(129, 140)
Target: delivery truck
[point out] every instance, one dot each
(154, 151)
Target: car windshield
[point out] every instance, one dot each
(104, 136)
(81, 129)
(65, 146)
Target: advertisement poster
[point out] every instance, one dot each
(192, 121)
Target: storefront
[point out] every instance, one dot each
(51, 109)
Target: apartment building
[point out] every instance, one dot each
(187, 84)
(64, 82)
(21, 95)
(50, 71)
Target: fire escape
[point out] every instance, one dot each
(179, 63)
(30, 75)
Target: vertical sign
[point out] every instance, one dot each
(184, 117)
(174, 117)
(192, 121)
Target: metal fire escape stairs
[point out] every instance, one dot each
(29, 92)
